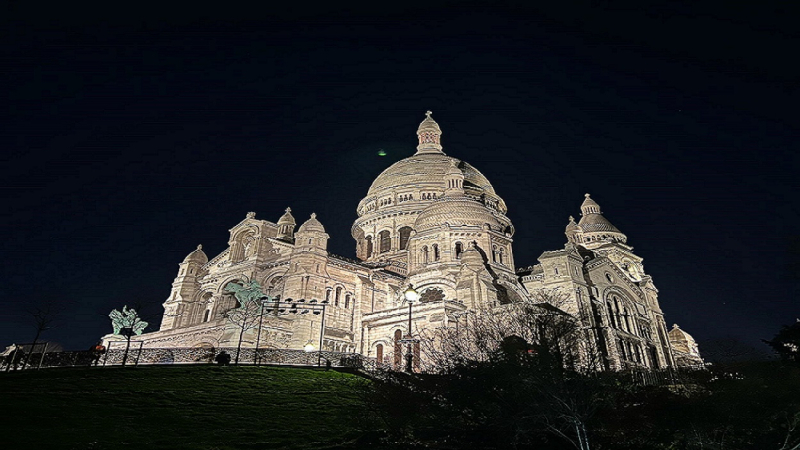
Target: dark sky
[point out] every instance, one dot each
(130, 136)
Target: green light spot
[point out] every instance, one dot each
(381, 152)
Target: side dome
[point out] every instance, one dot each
(460, 211)
(198, 256)
(311, 225)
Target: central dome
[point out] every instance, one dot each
(387, 215)
(427, 171)
(420, 178)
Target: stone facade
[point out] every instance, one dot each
(435, 222)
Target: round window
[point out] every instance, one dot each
(609, 278)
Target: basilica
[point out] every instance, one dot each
(433, 222)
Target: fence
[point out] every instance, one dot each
(682, 376)
(166, 356)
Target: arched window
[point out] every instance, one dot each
(379, 353)
(369, 246)
(501, 257)
(425, 254)
(405, 234)
(494, 253)
(435, 252)
(385, 241)
(328, 295)
(338, 296)
(347, 301)
(458, 250)
(202, 312)
(610, 311)
(627, 319)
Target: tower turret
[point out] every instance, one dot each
(596, 229)
(179, 307)
(572, 230)
(286, 226)
(311, 237)
(455, 181)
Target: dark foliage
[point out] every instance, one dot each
(787, 342)
(528, 402)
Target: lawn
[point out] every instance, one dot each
(180, 407)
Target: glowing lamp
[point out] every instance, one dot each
(410, 294)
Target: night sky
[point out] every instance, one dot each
(128, 137)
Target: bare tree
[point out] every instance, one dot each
(540, 321)
(42, 316)
(245, 317)
(553, 359)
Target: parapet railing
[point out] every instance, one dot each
(166, 356)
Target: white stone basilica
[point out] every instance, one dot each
(435, 222)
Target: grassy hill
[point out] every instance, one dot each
(180, 407)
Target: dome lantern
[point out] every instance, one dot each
(429, 135)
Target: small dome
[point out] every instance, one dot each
(198, 256)
(572, 226)
(287, 218)
(311, 225)
(453, 170)
(458, 211)
(683, 341)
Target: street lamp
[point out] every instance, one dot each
(410, 296)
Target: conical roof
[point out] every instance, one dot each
(592, 219)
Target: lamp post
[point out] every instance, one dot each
(256, 358)
(410, 296)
